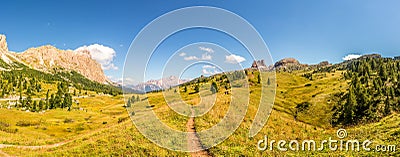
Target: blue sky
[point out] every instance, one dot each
(310, 30)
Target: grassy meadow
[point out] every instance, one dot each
(100, 125)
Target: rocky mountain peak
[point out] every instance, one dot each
(46, 58)
(3, 43)
(289, 64)
(287, 61)
(159, 84)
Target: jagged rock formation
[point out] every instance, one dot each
(258, 64)
(49, 58)
(371, 56)
(3, 44)
(46, 58)
(323, 63)
(289, 64)
(6, 59)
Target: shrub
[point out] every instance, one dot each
(68, 120)
(25, 123)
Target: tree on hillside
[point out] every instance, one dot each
(383, 72)
(214, 87)
(41, 105)
(128, 104)
(373, 92)
(196, 88)
(47, 98)
(34, 106)
(67, 103)
(350, 106)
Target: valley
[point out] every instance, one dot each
(58, 110)
(105, 128)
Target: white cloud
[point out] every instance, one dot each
(209, 72)
(233, 59)
(208, 67)
(203, 57)
(182, 54)
(204, 71)
(189, 58)
(351, 56)
(206, 57)
(128, 81)
(209, 50)
(102, 54)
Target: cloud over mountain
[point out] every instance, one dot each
(102, 54)
(351, 56)
(233, 59)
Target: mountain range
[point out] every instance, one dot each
(155, 85)
(49, 59)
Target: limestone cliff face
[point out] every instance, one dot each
(289, 64)
(46, 58)
(3, 44)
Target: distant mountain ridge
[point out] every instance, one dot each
(160, 84)
(50, 59)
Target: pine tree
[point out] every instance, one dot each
(214, 87)
(196, 88)
(128, 104)
(387, 105)
(349, 113)
(47, 98)
(383, 72)
(29, 101)
(41, 105)
(52, 102)
(20, 100)
(34, 106)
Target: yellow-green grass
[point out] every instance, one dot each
(58, 125)
(124, 139)
(293, 89)
(120, 140)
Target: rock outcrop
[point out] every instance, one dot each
(259, 64)
(371, 56)
(3, 44)
(286, 62)
(46, 58)
(289, 64)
